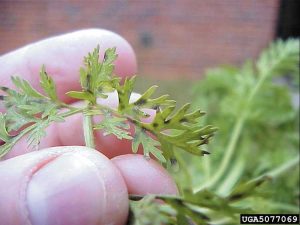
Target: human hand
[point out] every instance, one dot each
(72, 185)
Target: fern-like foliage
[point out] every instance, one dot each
(28, 111)
(26, 107)
(171, 132)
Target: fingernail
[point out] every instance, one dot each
(68, 190)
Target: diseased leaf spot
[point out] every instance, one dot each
(183, 120)
(88, 82)
(205, 152)
(205, 217)
(258, 183)
(167, 121)
(173, 161)
(155, 107)
(134, 122)
(140, 102)
(4, 88)
(236, 197)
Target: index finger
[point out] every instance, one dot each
(63, 56)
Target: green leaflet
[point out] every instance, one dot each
(96, 78)
(4, 136)
(14, 98)
(5, 148)
(25, 88)
(146, 211)
(15, 120)
(149, 144)
(114, 125)
(135, 109)
(189, 135)
(35, 127)
(146, 102)
(48, 85)
(107, 66)
(46, 82)
(246, 189)
(9, 143)
(82, 95)
(40, 126)
(28, 112)
(124, 92)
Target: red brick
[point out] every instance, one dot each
(184, 37)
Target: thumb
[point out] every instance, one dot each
(62, 186)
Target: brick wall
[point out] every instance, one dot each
(172, 38)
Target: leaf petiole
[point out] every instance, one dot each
(88, 130)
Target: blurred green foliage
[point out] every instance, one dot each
(258, 128)
(254, 165)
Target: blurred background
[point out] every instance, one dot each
(172, 38)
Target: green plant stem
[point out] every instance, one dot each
(17, 138)
(71, 112)
(132, 120)
(229, 153)
(239, 124)
(281, 169)
(237, 131)
(234, 174)
(88, 131)
(139, 197)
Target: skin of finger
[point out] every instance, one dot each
(63, 185)
(70, 132)
(63, 56)
(144, 176)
